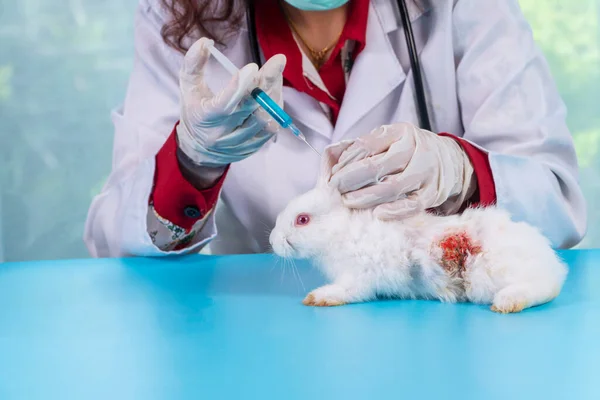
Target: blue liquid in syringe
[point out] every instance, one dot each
(280, 116)
(263, 99)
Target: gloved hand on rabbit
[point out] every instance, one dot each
(479, 256)
(400, 170)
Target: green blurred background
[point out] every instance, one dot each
(64, 65)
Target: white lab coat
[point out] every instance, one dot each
(486, 80)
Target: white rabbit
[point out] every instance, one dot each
(479, 256)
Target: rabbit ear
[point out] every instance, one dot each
(329, 159)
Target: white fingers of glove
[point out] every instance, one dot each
(218, 129)
(330, 159)
(371, 158)
(401, 170)
(376, 142)
(270, 80)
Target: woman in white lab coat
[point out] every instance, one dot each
(188, 134)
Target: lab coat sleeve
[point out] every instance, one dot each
(511, 108)
(122, 220)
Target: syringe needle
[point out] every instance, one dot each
(306, 141)
(301, 136)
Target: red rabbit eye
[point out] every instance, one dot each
(302, 219)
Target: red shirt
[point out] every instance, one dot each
(276, 37)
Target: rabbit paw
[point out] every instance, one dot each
(326, 296)
(516, 298)
(510, 300)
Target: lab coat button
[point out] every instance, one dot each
(192, 212)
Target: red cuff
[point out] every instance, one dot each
(174, 198)
(486, 188)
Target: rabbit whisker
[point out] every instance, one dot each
(295, 268)
(273, 256)
(276, 259)
(285, 261)
(268, 229)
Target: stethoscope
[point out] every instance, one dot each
(410, 43)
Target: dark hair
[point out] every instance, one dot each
(215, 19)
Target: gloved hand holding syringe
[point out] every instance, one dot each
(263, 99)
(222, 127)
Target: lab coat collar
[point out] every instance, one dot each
(390, 15)
(377, 70)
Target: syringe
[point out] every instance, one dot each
(264, 100)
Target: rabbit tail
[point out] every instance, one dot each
(511, 264)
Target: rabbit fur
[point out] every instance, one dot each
(481, 255)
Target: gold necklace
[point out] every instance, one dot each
(317, 57)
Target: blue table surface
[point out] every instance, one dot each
(233, 327)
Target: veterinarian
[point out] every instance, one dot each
(188, 134)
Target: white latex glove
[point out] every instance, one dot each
(219, 129)
(401, 170)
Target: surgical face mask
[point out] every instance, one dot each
(316, 5)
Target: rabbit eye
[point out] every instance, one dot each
(302, 219)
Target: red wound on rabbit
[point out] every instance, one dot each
(456, 248)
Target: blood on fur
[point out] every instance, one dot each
(456, 248)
